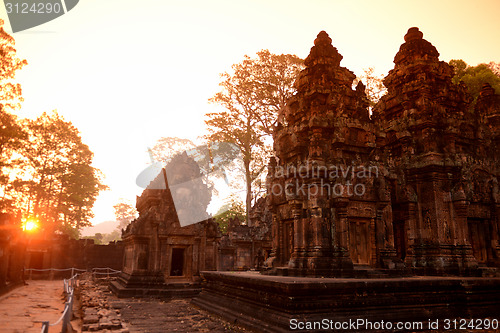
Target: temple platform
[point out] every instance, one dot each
(145, 286)
(268, 303)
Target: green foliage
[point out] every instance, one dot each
(104, 239)
(475, 76)
(251, 96)
(113, 236)
(234, 208)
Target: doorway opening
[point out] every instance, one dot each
(177, 264)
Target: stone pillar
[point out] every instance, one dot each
(463, 249)
(495, 221)
(320, 250)
(297, 258)
(341, 260)
(384, 237)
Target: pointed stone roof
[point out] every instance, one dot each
(323, 52)
(323, 70)
(415, 48)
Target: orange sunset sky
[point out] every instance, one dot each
(129, 72)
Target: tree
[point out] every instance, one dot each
(475, 76)
(10, 91)
(251, 96)
(98, 238)
(374, 85)
(11, 133)
(11, 140)
(57, 182)
(125, 212)
(167, 147)
(232, 209)
(113, 236)
(214, 159)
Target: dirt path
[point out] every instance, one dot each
(23, 309)
(175, 315)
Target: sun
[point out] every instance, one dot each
(30, 225)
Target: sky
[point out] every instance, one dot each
(126, 73)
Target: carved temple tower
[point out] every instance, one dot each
(413, 186)
(437, 150)
(326, 188)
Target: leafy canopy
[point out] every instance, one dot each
(251, 95)
(475, 76)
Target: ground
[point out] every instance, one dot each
(177, 315)
(23, 309)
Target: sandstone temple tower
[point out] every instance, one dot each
(413, 187)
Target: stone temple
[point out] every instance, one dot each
(392, 215)
(413, 186)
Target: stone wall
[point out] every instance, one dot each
(11, 252)
(61, 252)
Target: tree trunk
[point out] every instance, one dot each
(248, 178)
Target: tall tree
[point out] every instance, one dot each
(475, 76)
(125, 212)
(11, 132)
(57, 183)
(251, 95)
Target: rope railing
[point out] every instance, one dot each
(55, 269)
(69, 289)
(69, 286)
(38, 270)
(109, 271)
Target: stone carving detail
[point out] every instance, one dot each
(410, 185)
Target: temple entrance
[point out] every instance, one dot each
(177, 263)
(479, 237)
(359, 242)
(400, 238)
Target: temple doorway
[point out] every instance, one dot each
(359, 242)
(177, 264)
(400, 238)
(288, 242)
(479, 236)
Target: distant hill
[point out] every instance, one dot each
(103, 228)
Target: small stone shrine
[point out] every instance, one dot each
(163, 258)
